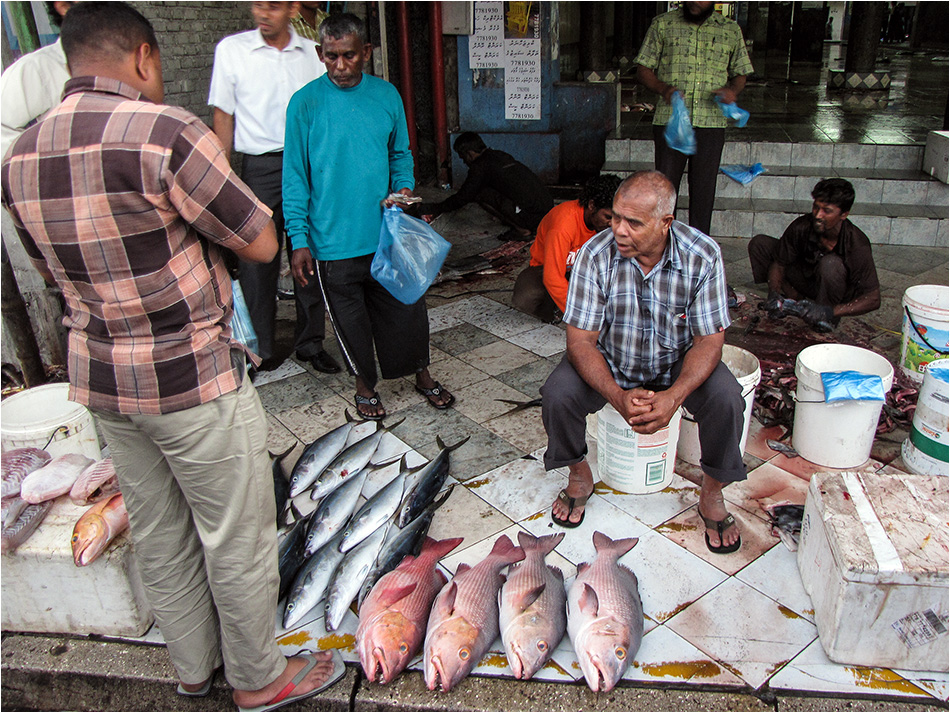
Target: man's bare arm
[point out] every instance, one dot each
(223, 126)
(860, 305)
(647, 77)
(263, 248)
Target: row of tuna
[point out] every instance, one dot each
(32, 480)
(530, 610)
(332, 549)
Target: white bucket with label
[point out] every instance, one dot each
(744, 365)
(632, 462)
(839, 434)
(43, 417)
(926, 332)
(925, 451)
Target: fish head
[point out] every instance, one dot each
(388, 646)
(528, 652)
(604, 654)
(450, 653)
(90, 538)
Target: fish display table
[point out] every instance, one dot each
(44, 591)
(873, 559)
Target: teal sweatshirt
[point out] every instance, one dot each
(345, 150)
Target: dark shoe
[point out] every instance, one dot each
(571, 503)
(323, 362)
(720, 526)
(370, 401)
(434, 393)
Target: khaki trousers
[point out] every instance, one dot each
(200, 496)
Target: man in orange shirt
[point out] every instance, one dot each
(541, 289)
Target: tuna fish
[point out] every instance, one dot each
(53, 479)
(350, 575)
(95, 483)
(604, 614)
(18, 463)
(464, 618)
(290, 555)
(98, 526)
(427, 483)
(393, 618)
(377, 510)
(531, 612)
(318, 455)
(333, 513)
(281, 486)
(312, 582)
(24, 526)
(350, 462)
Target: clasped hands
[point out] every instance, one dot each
(646, 411)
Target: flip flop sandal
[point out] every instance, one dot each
(370, 401)
(720, 526)
(200, 693)
(284, 698)
(571, 503)
(436, 391)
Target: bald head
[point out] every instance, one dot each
(651, 183)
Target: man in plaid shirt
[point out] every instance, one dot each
(646, 312)
(701, 54)
(127, 205)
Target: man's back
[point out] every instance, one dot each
(513, 179)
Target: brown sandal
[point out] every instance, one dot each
(571, 503)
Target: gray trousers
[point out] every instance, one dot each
(717, 406)
(826, 283)
(263, 175)
(198, 489)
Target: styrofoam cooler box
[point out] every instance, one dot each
(44, 591)
(935, 155)
(873, 559)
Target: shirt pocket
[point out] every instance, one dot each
(672, 328)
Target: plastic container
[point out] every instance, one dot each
(744, 365)
(44, 417)
(927, 450)
(632, 462)
(925, 336)
(839, 434)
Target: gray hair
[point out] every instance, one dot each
(657, 184)
(341, 25)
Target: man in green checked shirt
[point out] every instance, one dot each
(699, 53)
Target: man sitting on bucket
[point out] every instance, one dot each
(646, 314)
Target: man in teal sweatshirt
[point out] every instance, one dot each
(346, 148)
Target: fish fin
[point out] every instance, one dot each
(526, 540)
(583, 567)
(295, 511)
(462, 568)
(456, 445)
(557, 572)
(440, 548)
(547, 543)
(383, 464)
(629, 571)
(346, 412)
(392, 595)
(445, 606)
(531, 597)
(440, 443)
(588, 603)
(620, 547)
(504, 548)
(391, 426)
(279, 457)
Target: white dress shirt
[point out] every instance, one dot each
(254, 82)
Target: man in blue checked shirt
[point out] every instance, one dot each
(646, 312)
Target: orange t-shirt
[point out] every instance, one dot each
(560, 235)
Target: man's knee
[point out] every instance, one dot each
(831, 269)
(762, 251)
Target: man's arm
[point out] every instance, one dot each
(730, 92)
(263, 248)
(860, 305)
(647, 77)
(465, 195)
(223, 125)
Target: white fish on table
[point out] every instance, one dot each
(53, 479)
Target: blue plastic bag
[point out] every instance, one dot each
(742, 174)
(679, 132)
(409, 256)
(241, 326)
(731, 111)
(852, 386)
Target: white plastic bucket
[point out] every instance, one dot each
(632, 462)
(925, 451)
(925, 332)
(744, 365)
(839, 434)
(43, 417)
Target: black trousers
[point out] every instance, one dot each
(263, 175)
(503, 208)
(703, 171)
(364, 313)
(717, 406)
(531, 296)
(826, 282)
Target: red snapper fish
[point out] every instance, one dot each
(393, 617)
(97, 527)
(18, 463)
(604, 614)
(53, 479)
(464, 618)
(95, 483)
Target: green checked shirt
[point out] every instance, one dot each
(697, 60)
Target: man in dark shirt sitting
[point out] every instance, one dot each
(822, 261)
(498, 183)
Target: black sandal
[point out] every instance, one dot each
(571, 503)
(720, 526)
(370, 401)
(436, 391)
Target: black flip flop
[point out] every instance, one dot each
(370, 401)
(571, 503)
(720, 526)
(436, 391)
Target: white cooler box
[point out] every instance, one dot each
(44, 591)
(873, 558)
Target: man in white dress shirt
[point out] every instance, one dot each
(254, 75)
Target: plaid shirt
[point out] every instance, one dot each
(647, 323)
(126, 202)
(697, 60)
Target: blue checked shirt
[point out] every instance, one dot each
(647, 323)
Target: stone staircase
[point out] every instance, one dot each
(896, 203)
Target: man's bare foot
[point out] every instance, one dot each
(712, 505)
(580, 484)
(317, 676)
(437, 394)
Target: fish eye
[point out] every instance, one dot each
(75, 538)
(404, 648)
(290, 606)
(326, 607)
(620, 653)
(464, 654)
(542, 646)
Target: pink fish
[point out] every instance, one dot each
(53, 479)
(95, 483)
(18, 463)
(97, 527)
(25, 524)
(604, 614)
(393, 617)
(464, 618)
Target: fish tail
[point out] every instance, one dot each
(280, 456)
(618, 548)
(440, 548)
(505, 550)
(545, 544)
